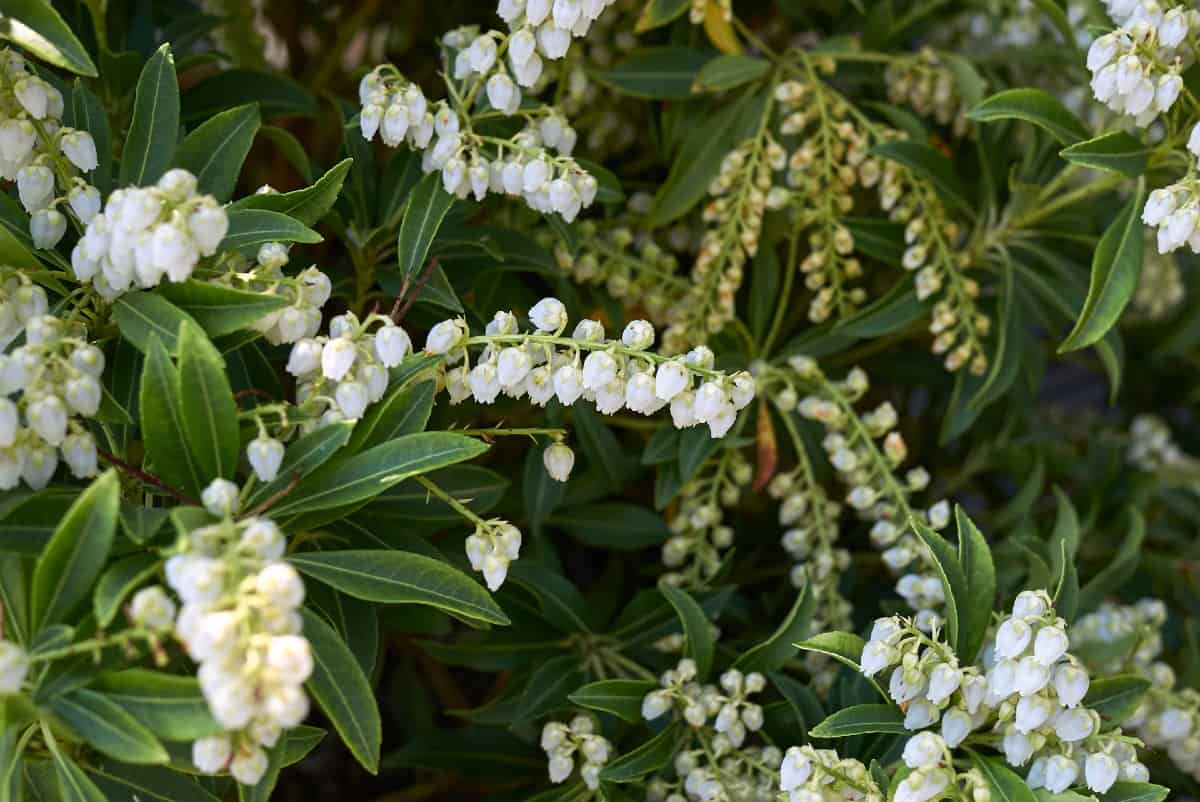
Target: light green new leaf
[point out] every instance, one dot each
(118, 582)
(368, 474)
(1034, 106)
(1116, 151)
(108, 727)
(343, 693)
(621, 697)
(215, 151)
(163, 428)
(209, 410)
(979, 571)
(424, 211)
(150, 144)
(401, 577)
(307, 205)
(1116, 267)
(696, 628)
(75, 555)
(860, 720)
(35, 26)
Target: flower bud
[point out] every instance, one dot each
(220, 498)
(559, 459)
(265, 455)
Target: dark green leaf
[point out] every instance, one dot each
(657, 73)
(249, 228)
(339, 687)
(1115, 151)
(861, 720)
(35, 26)
(143, 316)
(776, 650)
(1116, 697)
(162, 422)
(215, 151)
(613, 524)
(728, 72)
(170, 706)
(979, 572)
(307, 205)
(106, 726)
(1006, 786)
(303, 457)
(696, 628)
(954, 585)
(1034, 106)
(150, 144)
(645, 759)
(118, 582)
(621, 697)
(220, 310)
(209, 411)
(427, 206)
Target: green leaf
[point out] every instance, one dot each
(162, 422)
(303, 457)
(343, 693)
(170, 706)
(560, 602)
(216, 150)
(661, 12)
(217, 309)
(118, 582)
(307, 205)
(73, 784)
(1034, 106)
(780, 647)
(150, 144)
(145, 316)
(35, 26)
(1116, 697)
(1006, 785)
(696, 628)
(121, 782)
(75, 555)
(249, 228)
(1116, 151)
(927, 163)
(400, 577)
(209, 411)
(404, 410)
(613, 525)
(954, 585)
(424, 211)
(548, 686)
(1064, 542)
(368, 474)
(1136, 792)
(1116, 267)
(728, 72)
(106, 726)
(845, 647)
(979, 573)
(645, 759)
(1119, 568)
(90, 115)
(861, 720)
(657, 73)
(621, 697)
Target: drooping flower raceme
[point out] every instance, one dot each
(305, 293)
(148, 234)
(613, 374)
(562, 743)
(240, 621)
(49, 385)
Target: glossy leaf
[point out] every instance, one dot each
(163, 427)
(150, 144)
(343, 693)
(621, 697)
(36, 27)
(696, 628)
(424, 212)
(105, 725)
(210, 418)
(1116, 151)
(1034, 106)
(861, 720)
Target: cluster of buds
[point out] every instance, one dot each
(306, 293)
(932, 773)
(926, 84)
(48, 386)
(1152, 448)
(147, 233)
(346, 371)
(14, 667)
(1128, 638)
(1175, 209)
(741, 194)
(867, 451)
(493, 545)
(702, 8)
(714, 764)
(831, 159)
(699, 534)
(240, 621)
(44, 157)
(1136, 69)
(808, 774)
(1160, 288)
(635, 271)
(562, 742)
(1028, 692)
(612, 374)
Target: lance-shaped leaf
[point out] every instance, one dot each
(150, 144)
(340, 688)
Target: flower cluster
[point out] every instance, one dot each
(342, 373)
(561, 742)
(699, 533)
(43, 156)
(614, 374)
(147, 233)
(1029, 692)
(493, 545)
(48, 386)
(306, 293)
(933, 773)
(714, 764)
(14, 667)
(928, 86)
(1136, 69)
(1152, 448)
(1128, 638)
(808, 774)
(1175, 209)
(867, 451)
(240, 621)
